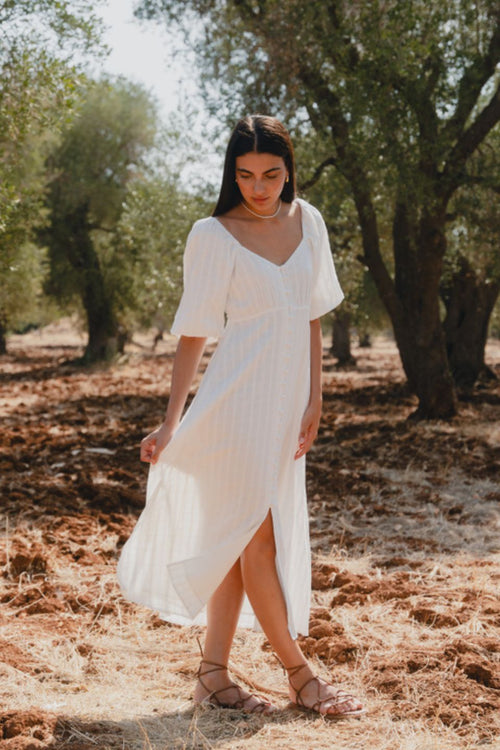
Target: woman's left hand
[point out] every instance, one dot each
(308, 428)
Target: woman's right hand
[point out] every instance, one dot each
(153, 444)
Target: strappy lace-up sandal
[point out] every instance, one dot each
(214, 697)
(333, 707)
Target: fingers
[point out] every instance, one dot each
(306, 439)
(150, 449)
(147, 449)
(153, 444)
(301, 450)
(156, 454)
(303, 436)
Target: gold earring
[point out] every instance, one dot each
(287, 178)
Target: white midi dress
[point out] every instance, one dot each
(231, 460)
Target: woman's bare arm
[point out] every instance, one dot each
(186, 362)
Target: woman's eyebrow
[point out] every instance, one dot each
(247, 171)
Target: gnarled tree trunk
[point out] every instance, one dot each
(341, 339)
(412, 302)
(104, 335)
(3, 337)
(469, 302)
(419, 247)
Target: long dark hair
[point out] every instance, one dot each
(265, 135)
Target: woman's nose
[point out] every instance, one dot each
(258, 186)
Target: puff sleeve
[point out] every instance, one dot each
(326, 291)
(208, 268)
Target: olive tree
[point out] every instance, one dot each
(402, 95)
(102, 153)
(38, 40)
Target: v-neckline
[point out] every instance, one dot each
(252, 252)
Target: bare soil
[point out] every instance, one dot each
(405, 534)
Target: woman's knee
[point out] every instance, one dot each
(262, 546)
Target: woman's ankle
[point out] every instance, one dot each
(298, 674)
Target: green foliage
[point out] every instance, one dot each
(118, 217)
(102, 152)
(37, 91)
(22, 274)
(55, 30)
(474, 219)
(330, 194)
(37, 83)
(150, 238)
(103, 149)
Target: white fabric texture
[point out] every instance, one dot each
(231, 460)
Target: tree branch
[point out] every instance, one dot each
(417, 94)
(471, 84)
(481, 181)
(331, 161)
(329, 112)
(471, 138)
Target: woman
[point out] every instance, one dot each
(223, 539)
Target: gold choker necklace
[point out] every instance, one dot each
(262, 216)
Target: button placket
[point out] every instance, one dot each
(286, 353)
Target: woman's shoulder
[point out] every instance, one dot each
(205, 226)
(209, 239)
(311, 214)
(208, 231)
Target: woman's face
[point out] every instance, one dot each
(261, 178)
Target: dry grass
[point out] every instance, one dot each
(406, 614)
(123, 679)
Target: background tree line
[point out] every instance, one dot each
(91, 214)
(394, 109)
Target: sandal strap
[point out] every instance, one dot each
(337, 700)
(292, 671)
(215, 668)
(218, 667)
(298, 697)
(213, 698)
(239, 704)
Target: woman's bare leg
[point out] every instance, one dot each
(262, 585)
(261, 582)
(223, 611)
